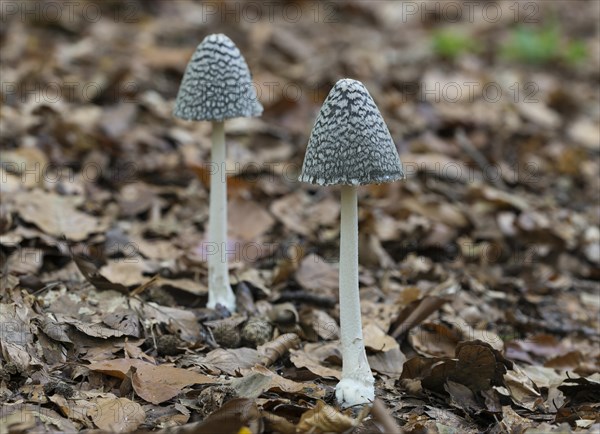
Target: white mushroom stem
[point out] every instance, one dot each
(219, 289)
(357, 384)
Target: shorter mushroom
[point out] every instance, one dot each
(350, 145)
(217, 86)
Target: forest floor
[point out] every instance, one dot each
(479, 273)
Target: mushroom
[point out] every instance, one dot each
(217, 86)
(350, 145)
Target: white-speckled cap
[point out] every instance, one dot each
(350, 142)
(216, 84)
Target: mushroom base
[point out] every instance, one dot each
(224, 296)
(350, 392)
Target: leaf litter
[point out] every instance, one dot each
(479, 273)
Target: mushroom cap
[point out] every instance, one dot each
(350, 142)
(217, 84)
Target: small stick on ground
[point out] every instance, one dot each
(466, 145)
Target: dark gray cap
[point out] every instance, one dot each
(350, 142)
(216, 84)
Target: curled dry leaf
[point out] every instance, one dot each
(272, 351)
(93, 330)
(522, 390)
(325, 419)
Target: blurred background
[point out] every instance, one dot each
(494, 107)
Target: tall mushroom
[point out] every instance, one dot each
(351, 145)
(217, 86)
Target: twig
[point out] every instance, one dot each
(465, 144)
(382, 415)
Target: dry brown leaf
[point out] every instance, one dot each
(118, 415)
(94, 330)
(512, 422)
(290, 210)
(273, 350)
(126, 272)
(57, 215)
(16, 337)
(566, 362)
(316, 274)
(318, 323)
(325, 419)
(125, 321)
(33, 418)
(390, 363)
(378, 340)
(462, 397)
(135, 198)
(231, 360)
(181, 322)
(236, 416)
(522, 390)
(585, 132)
(160, 383)
(500, 198)
(91, 274)
(20, 164)
(434, 340)
(416, 312)
(247, 220)
(25, 261)
(152, 383)
(277, 382)
(312, 356)
(302, 215)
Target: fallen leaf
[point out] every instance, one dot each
(316, 274)
(230, 360)
(152, 383)
(378, 340)
(325, 419)
(312, 356)
(247, 220)
(117, 415)
(57, 215)
(523, 391)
